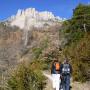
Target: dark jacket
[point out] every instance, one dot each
(53, 69)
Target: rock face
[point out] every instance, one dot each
(31, 18)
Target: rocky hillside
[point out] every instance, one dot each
(24, 31)
(10, 45)
(17, 45)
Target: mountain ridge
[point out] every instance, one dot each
(30, 17)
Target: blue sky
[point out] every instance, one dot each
(62, 8)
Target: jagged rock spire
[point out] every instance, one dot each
(35, 18)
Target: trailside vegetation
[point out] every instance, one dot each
(76, 31)
(27, 77)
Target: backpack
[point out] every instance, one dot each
(57, 66)
(66, 69)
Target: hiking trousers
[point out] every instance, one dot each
(56, 81)
(66, 82)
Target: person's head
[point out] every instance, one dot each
(66, 60)
(55, 60)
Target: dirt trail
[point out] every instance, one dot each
(75, 85)
(49, 81)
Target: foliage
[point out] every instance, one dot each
(79, 53)
(75, 28)
(81, 16)
(37, 51)
(25, 77)
(77, 47)
(50, 56)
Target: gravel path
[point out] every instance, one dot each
(75, 85)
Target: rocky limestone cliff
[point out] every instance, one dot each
(33, 18)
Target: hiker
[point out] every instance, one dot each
(55, 71)
(65, 71)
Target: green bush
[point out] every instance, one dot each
(26, 78)
(79, 53)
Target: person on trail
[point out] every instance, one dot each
(65, 71)
(55, 71)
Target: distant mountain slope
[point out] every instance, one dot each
(16, 45)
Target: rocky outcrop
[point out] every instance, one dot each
(33, 18)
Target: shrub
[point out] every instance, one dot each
(25, 78)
